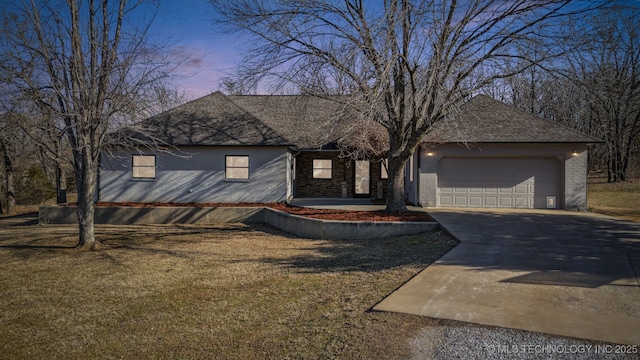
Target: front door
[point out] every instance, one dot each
(362, 178)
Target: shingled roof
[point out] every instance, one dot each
(308, 122)
(263, 120)
(210, 120)
(485, 120)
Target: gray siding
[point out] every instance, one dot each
(197, 174)
(573, 168)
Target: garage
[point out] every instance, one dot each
(509, 182)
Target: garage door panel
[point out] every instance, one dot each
(521, 189)
(491, 189)
(521, 202)
(498, 182)
(506, 201)
(490, 201)
(505, 190)
(446, 200)
(445, 190)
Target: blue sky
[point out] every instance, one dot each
(189, 26)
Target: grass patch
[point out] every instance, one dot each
(183, 291)
(617, 199)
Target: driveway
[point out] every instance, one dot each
(557, 272)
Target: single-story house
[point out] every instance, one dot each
(271, 148)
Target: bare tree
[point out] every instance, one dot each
(235, 86)
(8, 149)
(607, 75)
(17, 155)
(404, 64)
(88, 66)
(596, 89)
(160, 97)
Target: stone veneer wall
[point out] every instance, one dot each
(307, 186)
(342, 171)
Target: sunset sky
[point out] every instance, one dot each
(189, 28)
(188, 25)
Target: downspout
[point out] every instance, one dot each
(292, 170)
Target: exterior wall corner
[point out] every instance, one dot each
(428, 181)
(575, 180)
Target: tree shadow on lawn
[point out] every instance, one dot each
(175, 240)
(26, 219)
(366, 255)
(36, 240)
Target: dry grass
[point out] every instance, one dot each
(228, 291)
(616, 199)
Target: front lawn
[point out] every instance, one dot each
(616, 199)
(229, 291)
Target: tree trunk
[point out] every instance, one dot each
(11, 192)
(395, 187)
(617, 164)
(9, 179)
(61, 185)
(86, 180)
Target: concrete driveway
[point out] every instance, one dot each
(557, 272)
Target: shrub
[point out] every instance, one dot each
(34, 187)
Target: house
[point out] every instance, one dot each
(269, 148)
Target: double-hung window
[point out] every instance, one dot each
(322, 168)
(143, 166)
(236, 167)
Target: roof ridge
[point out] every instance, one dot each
(184, 104)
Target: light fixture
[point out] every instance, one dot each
(574, 153)
(430, 153)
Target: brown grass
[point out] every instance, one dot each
(229, 291)
(620, 199)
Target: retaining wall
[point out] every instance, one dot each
(297, 225)
(124, 215)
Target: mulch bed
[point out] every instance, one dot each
(325, 214)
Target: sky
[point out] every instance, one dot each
(188, 25)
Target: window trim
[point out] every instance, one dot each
(227, 167)
(314, 168)
(133, 167)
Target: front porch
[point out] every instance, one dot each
(325, 175)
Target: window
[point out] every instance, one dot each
(321, 169)
(236, 167)
(143, 167)
(384, 173)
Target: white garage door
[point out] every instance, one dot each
(499, 182)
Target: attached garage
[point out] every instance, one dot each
(492, 155)
(512, 182)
